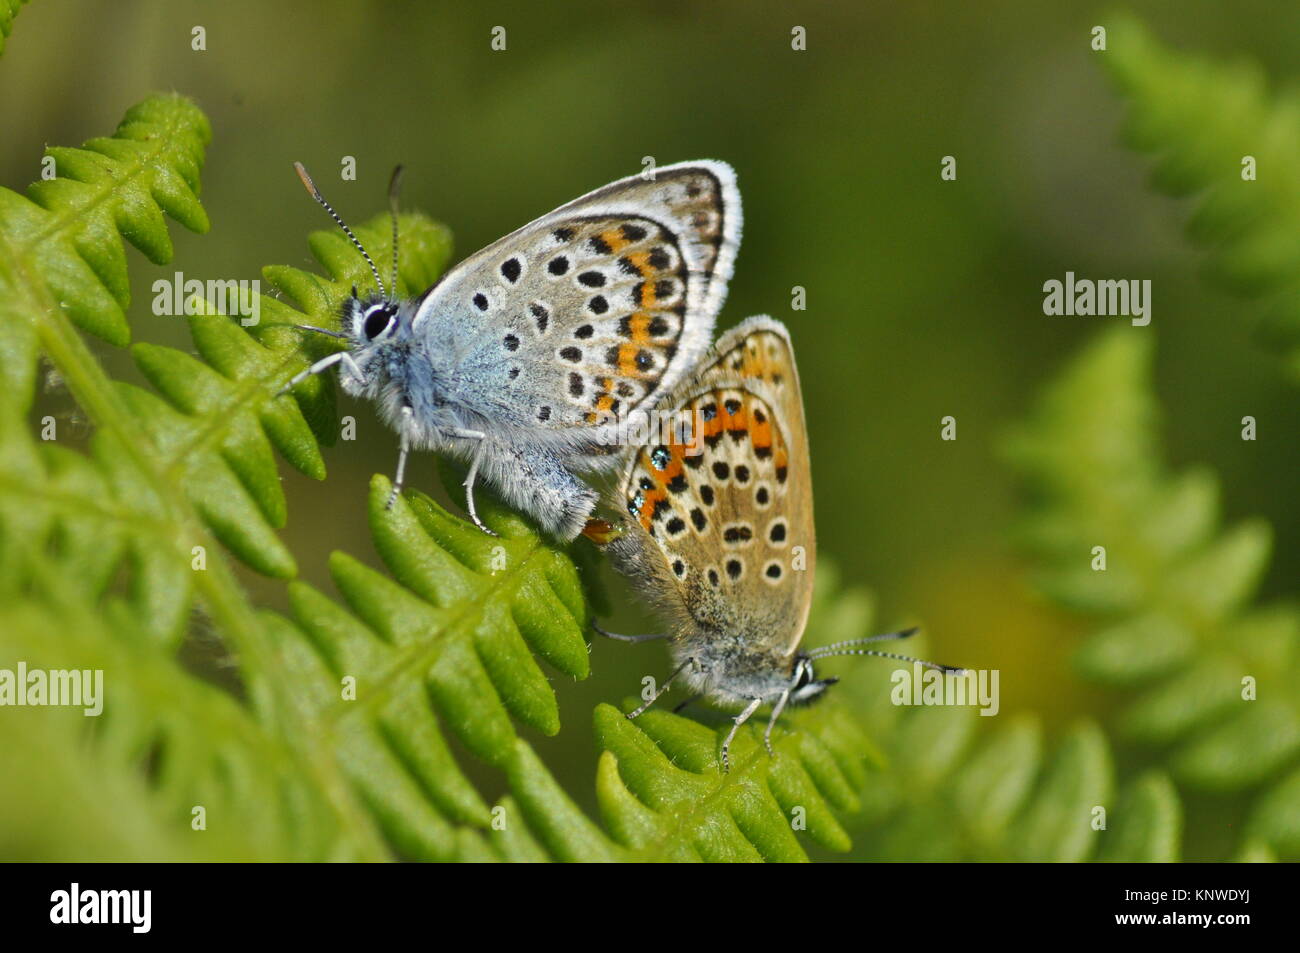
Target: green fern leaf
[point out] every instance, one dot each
(1148, 826)
(1176, 623)
(98, 549)
(992, 796)
(450, 642)
(663, 795)
(1201, 120)
(69, 232)
(999, 800)
(950, 785)
(166, 745)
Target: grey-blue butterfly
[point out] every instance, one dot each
(523, 359)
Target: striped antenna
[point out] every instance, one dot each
(315, 193)
(394, 187)
(849, 647)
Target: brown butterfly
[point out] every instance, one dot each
(721, 541)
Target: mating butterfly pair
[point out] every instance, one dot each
(521, 361)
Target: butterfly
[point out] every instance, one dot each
(719, 534)
(522, 359)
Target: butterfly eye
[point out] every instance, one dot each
(378, 321)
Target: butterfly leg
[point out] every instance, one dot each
(682, 704)
(662, 688)
(626, 638)
(401, 460)
(776, 713)
(473, 473)
(324, 364)
(736, 723)
(352, 367)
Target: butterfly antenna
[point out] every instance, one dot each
(315, 193)
(848, 643)
(312, 327)
(848, 647)
(394, 188)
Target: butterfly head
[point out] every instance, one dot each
(805, 686)
(378, 331)
(370, 320)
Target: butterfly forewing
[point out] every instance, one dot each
(734, 523)
(599, 307)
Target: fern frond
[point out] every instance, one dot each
(65, 256)
(63, 252)
(306, 774)
(166, 744)
(91, 580)
(662, 793)
(1200, 120)
(450, 642)
(65, 262)
(950, 785)
(99, 551)
(1148, 823)
(949, 796)
(1176, 623)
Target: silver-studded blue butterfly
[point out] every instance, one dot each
(522, 359)
(721, 540)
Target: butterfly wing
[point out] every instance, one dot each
(593, 310)
(726, 536)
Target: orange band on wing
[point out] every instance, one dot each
(640, 260)
(714, 427)
(737, 422)
(639, 327)
(613, 237)
(627, 360)
(651, 499)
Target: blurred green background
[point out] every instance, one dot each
(923, 296)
